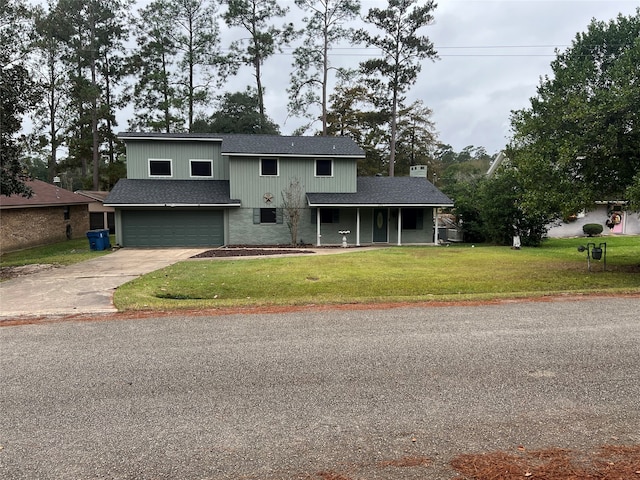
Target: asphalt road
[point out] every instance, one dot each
(315, 395)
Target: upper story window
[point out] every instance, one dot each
(324, 168)
(268, 167)
(201, 168)
(160, 168)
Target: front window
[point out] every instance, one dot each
(269, 167)
(201, 168)
(160, 168)
(329, 215)
(412, 219)
(324, 168)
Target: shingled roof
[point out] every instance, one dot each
(385, 191)
(44, 195)
(143, 192)
(245, 144)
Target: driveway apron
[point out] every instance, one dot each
(85, 287)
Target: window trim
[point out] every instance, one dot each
(170, 160)
(315, 170)
(201, 160)
(277, 160)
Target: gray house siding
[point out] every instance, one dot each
(246, 232)
(247, 183)
(180, 153)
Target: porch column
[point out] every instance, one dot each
(318, 235)
(105, 221)
(399, 226)
(435, 225)
(358, 227)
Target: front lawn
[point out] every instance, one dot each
(62, 253)
(393, 274)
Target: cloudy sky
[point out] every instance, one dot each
(492, 56)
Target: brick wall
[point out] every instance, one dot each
(29, 227)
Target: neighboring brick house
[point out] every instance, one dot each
(50, 215)
(209, 189)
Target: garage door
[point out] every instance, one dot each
(172, 228)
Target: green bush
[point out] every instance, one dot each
(592, 229)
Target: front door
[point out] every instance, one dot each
(380, 230)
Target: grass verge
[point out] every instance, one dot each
(63, 253)
(394, 274)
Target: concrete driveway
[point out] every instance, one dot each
(85, 287)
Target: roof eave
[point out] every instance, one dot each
(294, 155)
(367, 204)
(173, 205)
(169, 139)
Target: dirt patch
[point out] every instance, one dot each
(12, 272)
(249, 252)
(609, 462)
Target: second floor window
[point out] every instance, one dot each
(269, 167)
(324, 168)
(159, 168)
(201, 168)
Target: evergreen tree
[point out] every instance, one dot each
(19, 93)
(326, 25)
(402, 50)
(264, 40)
(156, 97)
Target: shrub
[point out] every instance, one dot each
(591, 229)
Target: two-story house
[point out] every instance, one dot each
(211, 190)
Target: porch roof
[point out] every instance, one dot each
(161, 193)
(385, 191)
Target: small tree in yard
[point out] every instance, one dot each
(292, 205)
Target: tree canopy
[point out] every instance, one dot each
(237, 112)
(579, 141)
(18, 94)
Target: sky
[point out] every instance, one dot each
(492, 55)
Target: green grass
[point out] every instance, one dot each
(395, 274)
(63, 253)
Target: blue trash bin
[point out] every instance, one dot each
(98, 239)
(105, 238)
